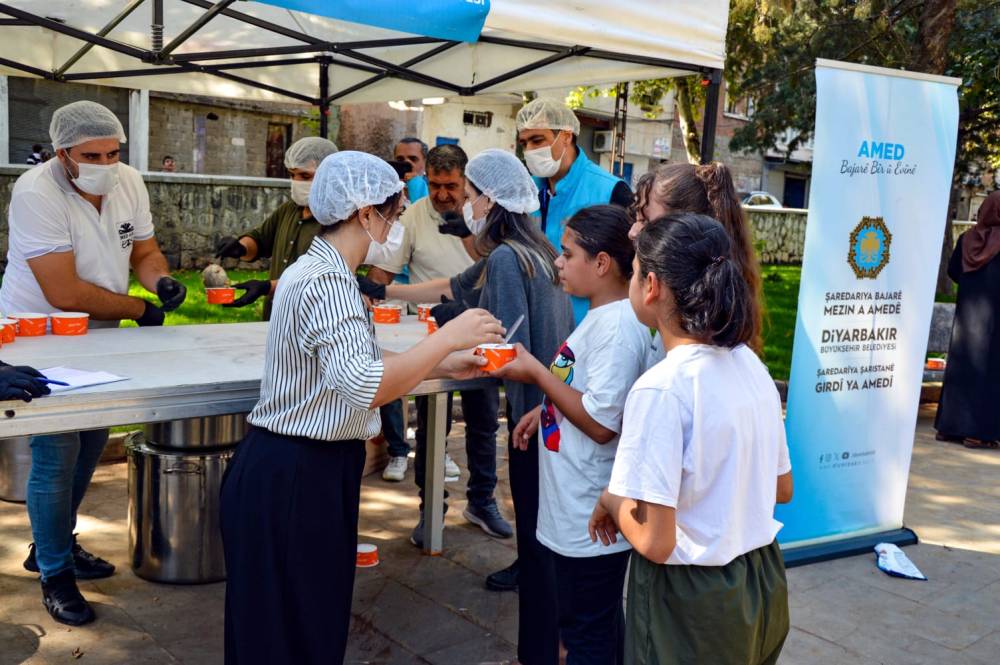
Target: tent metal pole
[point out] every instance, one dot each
(199, 23)
(496, 80)
(83, 35)
(253, 52)
(112, 24)
(378, 77)
(182, 68)
(41, 73)
(258, 23)
(401, 72)
(711, 117)
(324, 93)
(156, 27)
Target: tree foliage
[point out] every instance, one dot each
(772, 48)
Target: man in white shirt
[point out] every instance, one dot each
(432, 253)
(78, 223)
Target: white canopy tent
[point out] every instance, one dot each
(250, 50)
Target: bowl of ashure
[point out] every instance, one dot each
(217, 288)
(497, 355)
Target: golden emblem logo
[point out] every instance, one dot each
(869, 249)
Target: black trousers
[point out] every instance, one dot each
(479, 407)
(290, 531)
(591, 614)
(537, 612)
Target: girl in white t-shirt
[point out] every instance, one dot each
(701, 462)
(577, 426)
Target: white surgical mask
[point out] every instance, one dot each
(96, 179)
(300, 192)
(383, 252)
(541, 163)
(474, 225)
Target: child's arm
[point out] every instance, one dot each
(526, 369)
(419, 293)
(650, 527)
(785, 488)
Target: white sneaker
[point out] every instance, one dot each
(395, 470)
(451, 470)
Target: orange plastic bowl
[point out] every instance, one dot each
(367, 555)
(432, 324)
(220, 296)
(937, 364)
(30, 324)
(424, 312)
(387, 313)
(70, 323)
(497, 355)
(8, 330)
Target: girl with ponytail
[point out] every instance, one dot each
(707, 190)
(693, 487)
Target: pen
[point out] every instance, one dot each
(53, 382)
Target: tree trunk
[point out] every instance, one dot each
(686, 116)
(931, 57)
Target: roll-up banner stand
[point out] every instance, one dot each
(881, 174)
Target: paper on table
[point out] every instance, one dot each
(78, 378)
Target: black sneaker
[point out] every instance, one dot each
(88, 566)
(488, 518)
(64, 601)
(504, 580)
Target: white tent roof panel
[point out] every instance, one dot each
(673, 32)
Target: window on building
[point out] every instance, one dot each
(478, 118)
(739, 107)
(279, 137)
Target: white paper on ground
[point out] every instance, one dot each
(78, 378)
(891, 560)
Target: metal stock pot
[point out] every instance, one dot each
(192, 433)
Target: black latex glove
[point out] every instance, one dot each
(21, 383)
(454, 225)
(373, 290)
(229, 248)
(447, 310)
(151, 316)
(254, 289)
(171, 292)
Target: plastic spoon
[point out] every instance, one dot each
(513, 329)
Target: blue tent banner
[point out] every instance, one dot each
(458, 20)
(882, 169)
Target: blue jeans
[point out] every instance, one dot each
(479, 407)
(393, 429)
(61, 468)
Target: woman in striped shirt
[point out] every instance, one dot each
(290, 497)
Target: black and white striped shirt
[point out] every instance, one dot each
(322, 365)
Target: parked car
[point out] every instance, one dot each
(760, 200)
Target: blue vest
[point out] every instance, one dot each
(586, 184)
(416, 188)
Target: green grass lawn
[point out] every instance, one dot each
(195, 309)
(781, 292)
(781, 299)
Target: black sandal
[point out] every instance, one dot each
(976, 444)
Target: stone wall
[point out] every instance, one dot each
(191, 212)
(779, 235)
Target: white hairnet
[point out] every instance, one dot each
(307, 153)
(502, 178)
(83, 121)
(347, 181)
(547, 114)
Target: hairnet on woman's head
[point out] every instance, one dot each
(308, 152)
(347, 181)
(502, 178)
(83, 121)
(547, 114)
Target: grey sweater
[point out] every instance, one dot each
(507, 293)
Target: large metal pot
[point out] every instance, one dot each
(15, 465)
(173, 514)
(207, 432)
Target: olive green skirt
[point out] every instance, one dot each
(735, 614)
